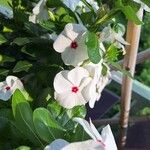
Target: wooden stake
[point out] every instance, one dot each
(133, 36)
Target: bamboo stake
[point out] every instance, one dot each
(133, 36)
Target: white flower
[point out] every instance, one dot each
(6, 11)
(8, 87)
(97, 84)
(91, 2)
(95, 73)
(143, 5)
(60, 144)
(40, 12)
(111, 36)
(71, 44)
(69, 85)
(56, 145)
(106, 139)
(72, 4)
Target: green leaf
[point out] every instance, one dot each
(4, 58)
(4, 72)
(30, 52)
(128, 11)
(2, 39)
(23, 116)
(54, 108)
(145, 111)
(21, 41)
(131, 14)
(23, 148)
(22, 66)
(112, 53)
(78, 111)
(54, 3)
(46, 126)
(93, 47)
(104, 70)
(48, 25)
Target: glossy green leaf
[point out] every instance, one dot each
(23, 148)
(22, 66)
(131, 14)
(4, 58)
(4, 72)
(54, 108)
(46, 126)
(78, 111)
(21, 41)
(24, 117)
(2, 39)
(54, 3)
(93, 47)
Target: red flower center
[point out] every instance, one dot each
(7, 88)
(99, 141)
(74, 45)
(75, 89)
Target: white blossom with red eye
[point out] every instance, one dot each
(69, 85)
(8, 87)
(71, 44)
(106, 139)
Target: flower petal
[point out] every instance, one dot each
(107, 35)
(76, 56)
(89, 93)
(86, 127)
(40, 12)
(69, 99)
(61, 43)
(103, 81)
(77, 74)
(5, 95)
(57, 145)
(72, 4)
(121, 39)
(14, 83)
(61, 83)
(37, 9)
(85, 145)
(145, 7)
(74, 30)
(108, 138)
(96, 133)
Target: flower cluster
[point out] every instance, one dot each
(85, 82)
